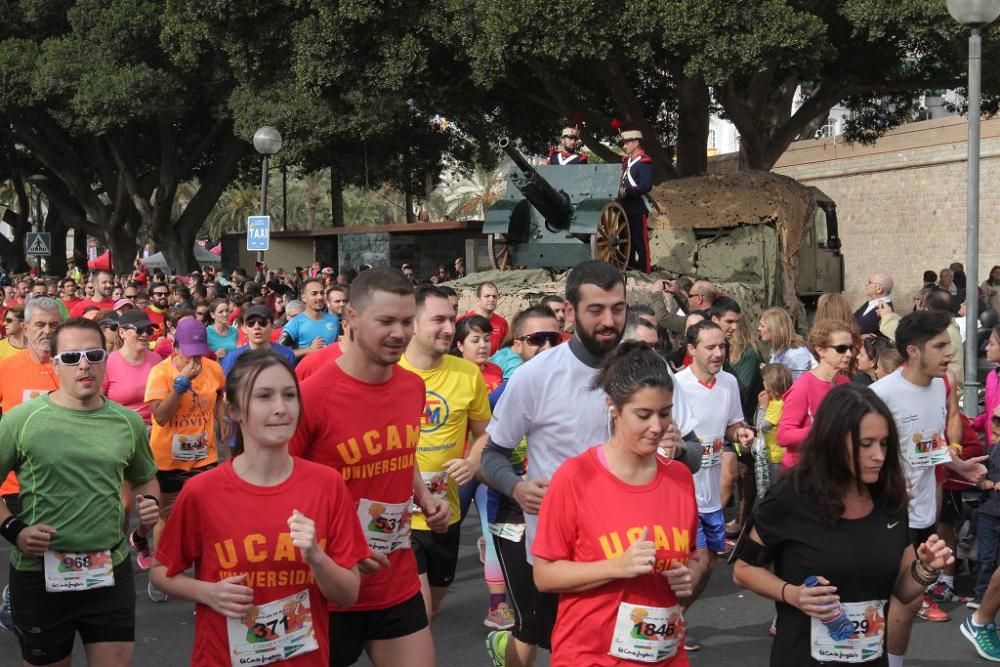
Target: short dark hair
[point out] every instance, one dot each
(724, 305)
(74, 323)
(466, 326)
(918, 327)
(535, 312)
(642, 309)
(551, 298)
(479, 289)
(425, 292)
(592, 272)
(939, 300)
(930, 276)
(309, 281)
(343, 289)
(694, 331)
(447, 290)
(378, 280)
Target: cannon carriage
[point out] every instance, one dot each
(557, 217)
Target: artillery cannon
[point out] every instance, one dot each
(556, 216)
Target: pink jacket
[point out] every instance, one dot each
(801, 402)
(982, 422)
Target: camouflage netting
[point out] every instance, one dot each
(732, 200)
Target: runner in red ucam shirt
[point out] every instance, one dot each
(616, 531)
(362, 416)
(272, 537)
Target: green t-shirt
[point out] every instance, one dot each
(71, 464)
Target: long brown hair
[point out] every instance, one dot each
(242, 378)
(824, 472)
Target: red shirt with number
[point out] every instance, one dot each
(590, 515)
(226, 526)
(369, 433)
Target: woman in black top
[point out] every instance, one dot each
(841, 516)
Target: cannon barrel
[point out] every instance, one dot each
(554, 205)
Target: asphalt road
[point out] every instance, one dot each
(730, 623)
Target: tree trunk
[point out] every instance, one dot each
(692, 126)
(180, 255)
(411, 217)
(80, 239)
(56, 226)
(336, 196)
(123, 249)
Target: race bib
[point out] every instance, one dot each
(386, 525)
(865, 644)
(436, 483)
(926, 449)
(189, 447)
(647, 634)
(507, 531)
(278, 630)
(78, 571)
(711, 451)
(29, 394)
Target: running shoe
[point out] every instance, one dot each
(496, 647)
(974, 603)
(942, 592)
(501, 618)
(481, 543)
(139, 544)
(690, 643)
(984, 638)
(930, 611)
(6, 615)
(155, 594)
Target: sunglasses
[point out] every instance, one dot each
(73, 357)
(161, 293)
(109, 324)
(841, 349)
(539, 338)
(143, 331)
(256, 322)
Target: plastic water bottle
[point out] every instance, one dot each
(840, 626)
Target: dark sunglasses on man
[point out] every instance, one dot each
(254, 322)
(539, 338)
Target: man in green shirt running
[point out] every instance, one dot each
(72, 449)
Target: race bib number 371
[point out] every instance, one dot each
(278, 630)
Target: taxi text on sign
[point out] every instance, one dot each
(258, 232)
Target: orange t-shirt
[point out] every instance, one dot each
(22, 379)
(187, 440)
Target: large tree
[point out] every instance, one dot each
(112, 124)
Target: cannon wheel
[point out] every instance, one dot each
(612, 242)
(499, 247)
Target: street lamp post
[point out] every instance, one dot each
(267, 142)
(975, 14)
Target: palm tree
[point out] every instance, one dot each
(473, 195)
(235, 205)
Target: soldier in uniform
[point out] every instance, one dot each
(567, 154)
(633, 195)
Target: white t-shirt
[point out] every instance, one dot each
(921, 415)
(549, 401)
(715, 409)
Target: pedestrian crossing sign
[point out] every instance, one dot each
(38, 244)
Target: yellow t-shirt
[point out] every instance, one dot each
(7, 350)
(455, 394)
(187, 440)
(775, 452)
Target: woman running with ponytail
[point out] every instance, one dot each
(272, 538)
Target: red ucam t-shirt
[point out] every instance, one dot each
(589, 515)
(249, 535)
(314, 361)
(369, 433)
